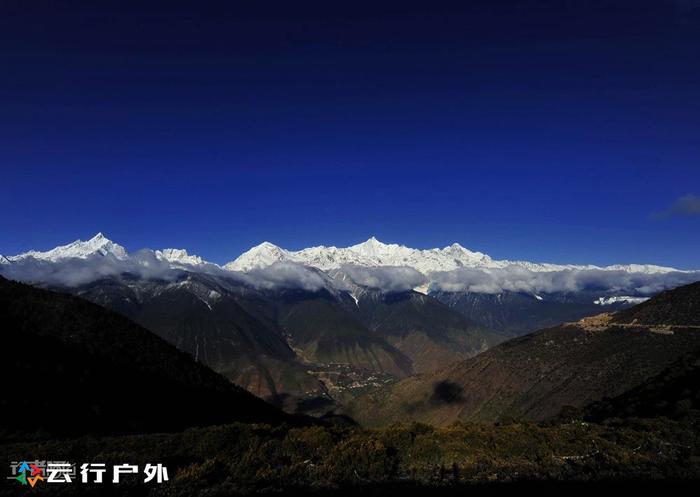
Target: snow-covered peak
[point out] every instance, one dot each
(260, 256)
(380, 253)
(179, 257)
(455, 248)
(97, 245)
(373, 248)
(462, 254)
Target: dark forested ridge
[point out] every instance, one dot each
(680, 306)
(674, 393)
(73, 367)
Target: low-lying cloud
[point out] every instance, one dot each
(74, 272)
(283, 274)
(518, 279)
(386, 278)
(289, 275)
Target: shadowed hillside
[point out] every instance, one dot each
(680, 306)
(534, 376)
(324, 332)
(673, 393)
(423, 328)
(73, 367)
(232, 332)
(302, 350)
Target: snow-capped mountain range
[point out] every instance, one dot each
(371, 264)
(101, 245)
(374, 253)
(371, 253)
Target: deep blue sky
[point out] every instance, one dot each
(530, 130)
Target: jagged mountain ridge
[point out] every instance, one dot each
(374, 253)
(371, 253)
(452, 269)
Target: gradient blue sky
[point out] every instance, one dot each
(527, 130)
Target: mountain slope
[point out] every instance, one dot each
(536, 375)
(324, 332)
(246, 334)
(215, 321)
(518, 313)
(673, 393)
(425, 330)
(72, 367)
(680, 306)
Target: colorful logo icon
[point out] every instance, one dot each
(29, 474)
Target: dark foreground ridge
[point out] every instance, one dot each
(70, 367)
(680, 306)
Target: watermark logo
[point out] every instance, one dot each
(28, 473)
(32, 472)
